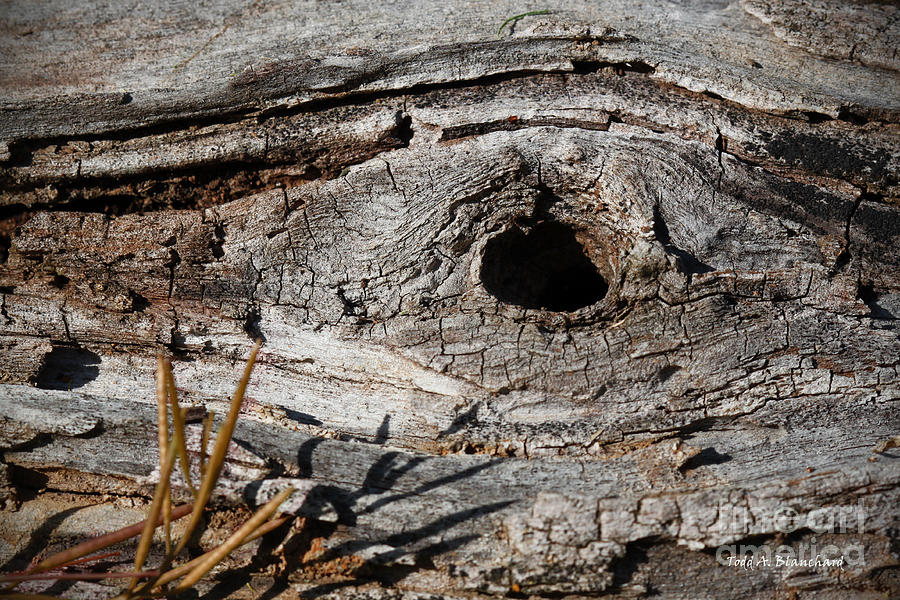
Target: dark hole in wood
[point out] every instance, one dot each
(139, 302)
(59, 281)
(545, 268)
(707, 456)
(867, 293)
(253, 324)
(68, 368)
(216, 246)
(5, 243)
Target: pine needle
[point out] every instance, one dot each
(99, 543)
(163, 428)
(162, 489)
(178, 426)
(17, 596)
(204, 440)
(220, 449)
(87, 559)
(190, 565)
(161, 511)
(162, 409)
(87, 576)
(234, 540)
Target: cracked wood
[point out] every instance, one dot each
(642, 264)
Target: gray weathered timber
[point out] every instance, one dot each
(570, 310)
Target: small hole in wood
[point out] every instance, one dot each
(59, 281)
(68, 368)
(543, 268)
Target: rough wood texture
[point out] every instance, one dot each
(560, 312)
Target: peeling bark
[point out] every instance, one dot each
(567, 311)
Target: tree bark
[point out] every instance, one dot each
(571, 309)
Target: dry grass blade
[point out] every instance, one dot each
(162, 490)
(167, 522)
(161, 512)
(88, 559)
(220, 449)
(234, 540)
(162, 412)
(17, 596)
(99, 543)
(163, 428)
(82, 576)
(267, 527)
(178, 425)
(262, 530)
(204, 440)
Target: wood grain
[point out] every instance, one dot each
(543, 314)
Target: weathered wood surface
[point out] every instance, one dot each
(544, 313)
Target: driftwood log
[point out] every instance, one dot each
(568, 310)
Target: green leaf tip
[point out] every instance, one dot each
(515, 18)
